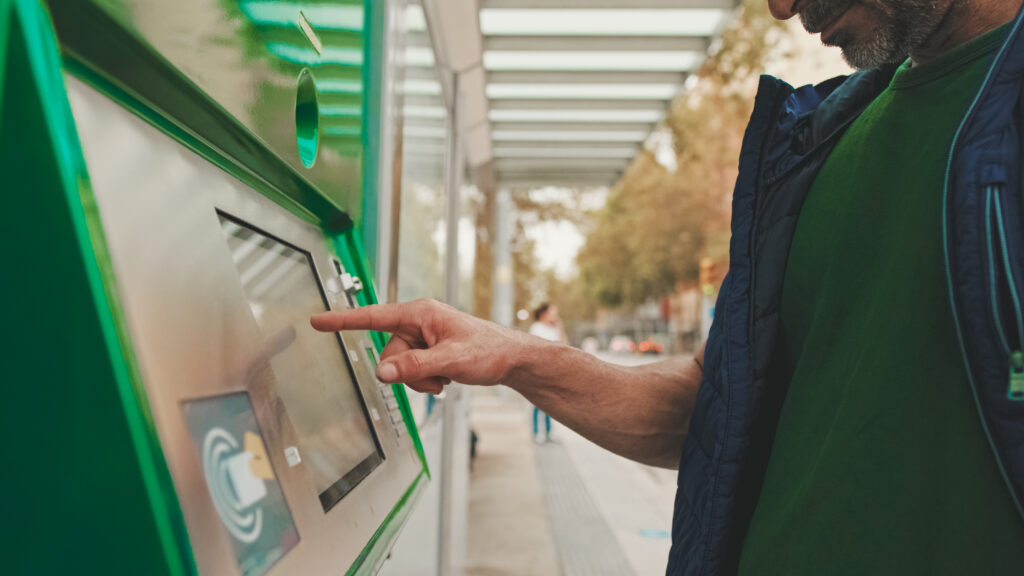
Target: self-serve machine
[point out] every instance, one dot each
(197, 216)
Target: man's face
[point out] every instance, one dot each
(869, 32)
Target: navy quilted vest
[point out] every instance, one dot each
(790, 133)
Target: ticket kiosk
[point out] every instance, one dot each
(190, 176)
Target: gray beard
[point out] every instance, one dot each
(901, 26)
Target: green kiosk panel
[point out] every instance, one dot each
(217, 152)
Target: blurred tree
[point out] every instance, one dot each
(658, 222)
(534, 285)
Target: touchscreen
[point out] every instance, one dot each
(313, 378)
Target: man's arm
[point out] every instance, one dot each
(640, 412)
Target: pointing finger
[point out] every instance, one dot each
(382, 318)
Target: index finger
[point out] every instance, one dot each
(379, 317)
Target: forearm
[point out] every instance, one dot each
(640, 412)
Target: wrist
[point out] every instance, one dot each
(522, 355)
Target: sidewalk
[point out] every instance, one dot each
(563, 509)
(508, 529)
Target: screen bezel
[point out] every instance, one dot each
(337, 491)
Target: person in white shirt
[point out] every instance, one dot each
(548, 326)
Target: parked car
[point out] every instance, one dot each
(622, 344)
(650, 345)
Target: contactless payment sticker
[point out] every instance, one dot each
(241, 481)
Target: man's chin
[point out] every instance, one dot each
(866, 40)
(863, 58)
(838, 39)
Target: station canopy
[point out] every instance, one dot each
(574, 88)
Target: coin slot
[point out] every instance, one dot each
(307, 118)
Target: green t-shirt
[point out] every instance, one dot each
(880, 464)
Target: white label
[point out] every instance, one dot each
(310, 34)
(291, 454)
(247, 487)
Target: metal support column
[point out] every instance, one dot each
(503, 301)
(451, 296)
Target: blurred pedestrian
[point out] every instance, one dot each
(547, 325)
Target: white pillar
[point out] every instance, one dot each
(503, 303)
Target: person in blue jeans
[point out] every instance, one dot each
(547, 325)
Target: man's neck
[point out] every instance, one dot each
(964, 20)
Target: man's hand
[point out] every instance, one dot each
(641, 412)
(433, 344)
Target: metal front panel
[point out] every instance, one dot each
(195, 335)
(247, 56)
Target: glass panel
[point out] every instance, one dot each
(423, 145)
(313, 378)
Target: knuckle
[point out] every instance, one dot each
(415, 363)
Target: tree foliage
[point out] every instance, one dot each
(659, 222)
(535, 285)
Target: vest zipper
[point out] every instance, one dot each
(949, 261)
(1016, 388)
(1016, 391)
(992, 281)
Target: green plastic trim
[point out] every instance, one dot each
(6, 9)
(94, 270)
(375, 14)
(376, 551)
(344, 247)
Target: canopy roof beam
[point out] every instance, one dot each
(574, 77)
(597, 43)
(608, 4)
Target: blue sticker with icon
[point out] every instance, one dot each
(243, 487)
